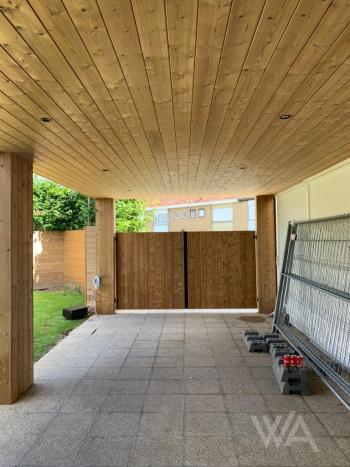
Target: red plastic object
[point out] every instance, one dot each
(299, 360)
(286, 361)
(293, 360)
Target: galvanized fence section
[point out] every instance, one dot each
(313, 304)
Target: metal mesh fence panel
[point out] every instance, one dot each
(313, 303)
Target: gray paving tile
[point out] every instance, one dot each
(123, 403)
(158, 451)
(14, 447)
(134, 373)
(252, 451)
(202, 387)
(201, 373)
(22, 423)
(165, 403)
(344, 444)
(116, 424)
(243, 424)
(83, 403)
(167, 373)
(138, 362)
(71, 424)
(325, 402)
(207, 424)
(165, 424)
(204, 403)
(245, 403)
(337, 424)
(210, 451)
(166, 387)
(129, 386)
(328, 453)
(54, 450)
(176, 362)
(283, 403)
(109, 451)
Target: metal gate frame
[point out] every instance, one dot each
(313, 303)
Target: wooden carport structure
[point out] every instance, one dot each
(153, 98)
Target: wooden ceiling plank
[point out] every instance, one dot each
(100, 48)
(181, 17)
(40, 134)
(8, 141)
(28, 27)
(273, 22)
(120, 22)
(44, 132)
(152, 32)
(44, 105)
(30, 145)
(243, 20)
(305, 19)
(329, 103)
(211, 31)
(326, 50)
(63, 31)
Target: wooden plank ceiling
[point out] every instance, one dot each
(156, 98)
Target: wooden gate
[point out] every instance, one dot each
(150, 270)
(221, 270)
(185, 270)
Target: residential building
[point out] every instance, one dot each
(204, 215)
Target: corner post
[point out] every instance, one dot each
(16, 285)
(266, 280)
(105, 232)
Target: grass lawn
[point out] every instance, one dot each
(49, 324)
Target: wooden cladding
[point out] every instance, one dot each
(105, 228)
(185, 270)
(150, 270)
(266, 253)
(16, 260)
(221, 270)
(153, 99)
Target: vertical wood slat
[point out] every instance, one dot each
(220, 266)
(149, 267)
(16, 259)
(221, 270)
(266, 253)
(105, 254)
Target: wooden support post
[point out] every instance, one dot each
(16, 260)
(266, 280)
(105, 230)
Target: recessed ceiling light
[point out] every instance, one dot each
(284, 116)
(45, 119)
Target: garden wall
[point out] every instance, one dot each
(59, 259)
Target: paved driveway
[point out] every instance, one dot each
(167, 389)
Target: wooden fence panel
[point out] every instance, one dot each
(150, 270)
(221, 270)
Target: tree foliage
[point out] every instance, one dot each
(56, 207)
(131, 216)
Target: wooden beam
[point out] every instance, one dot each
(16, 259)
(266, 280)
(105, 230)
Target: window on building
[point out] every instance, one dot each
(201, 212)
(222, 217)
(184, 214)
(176, 215)
(192, 213)
(161, 220)
(251, 214)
